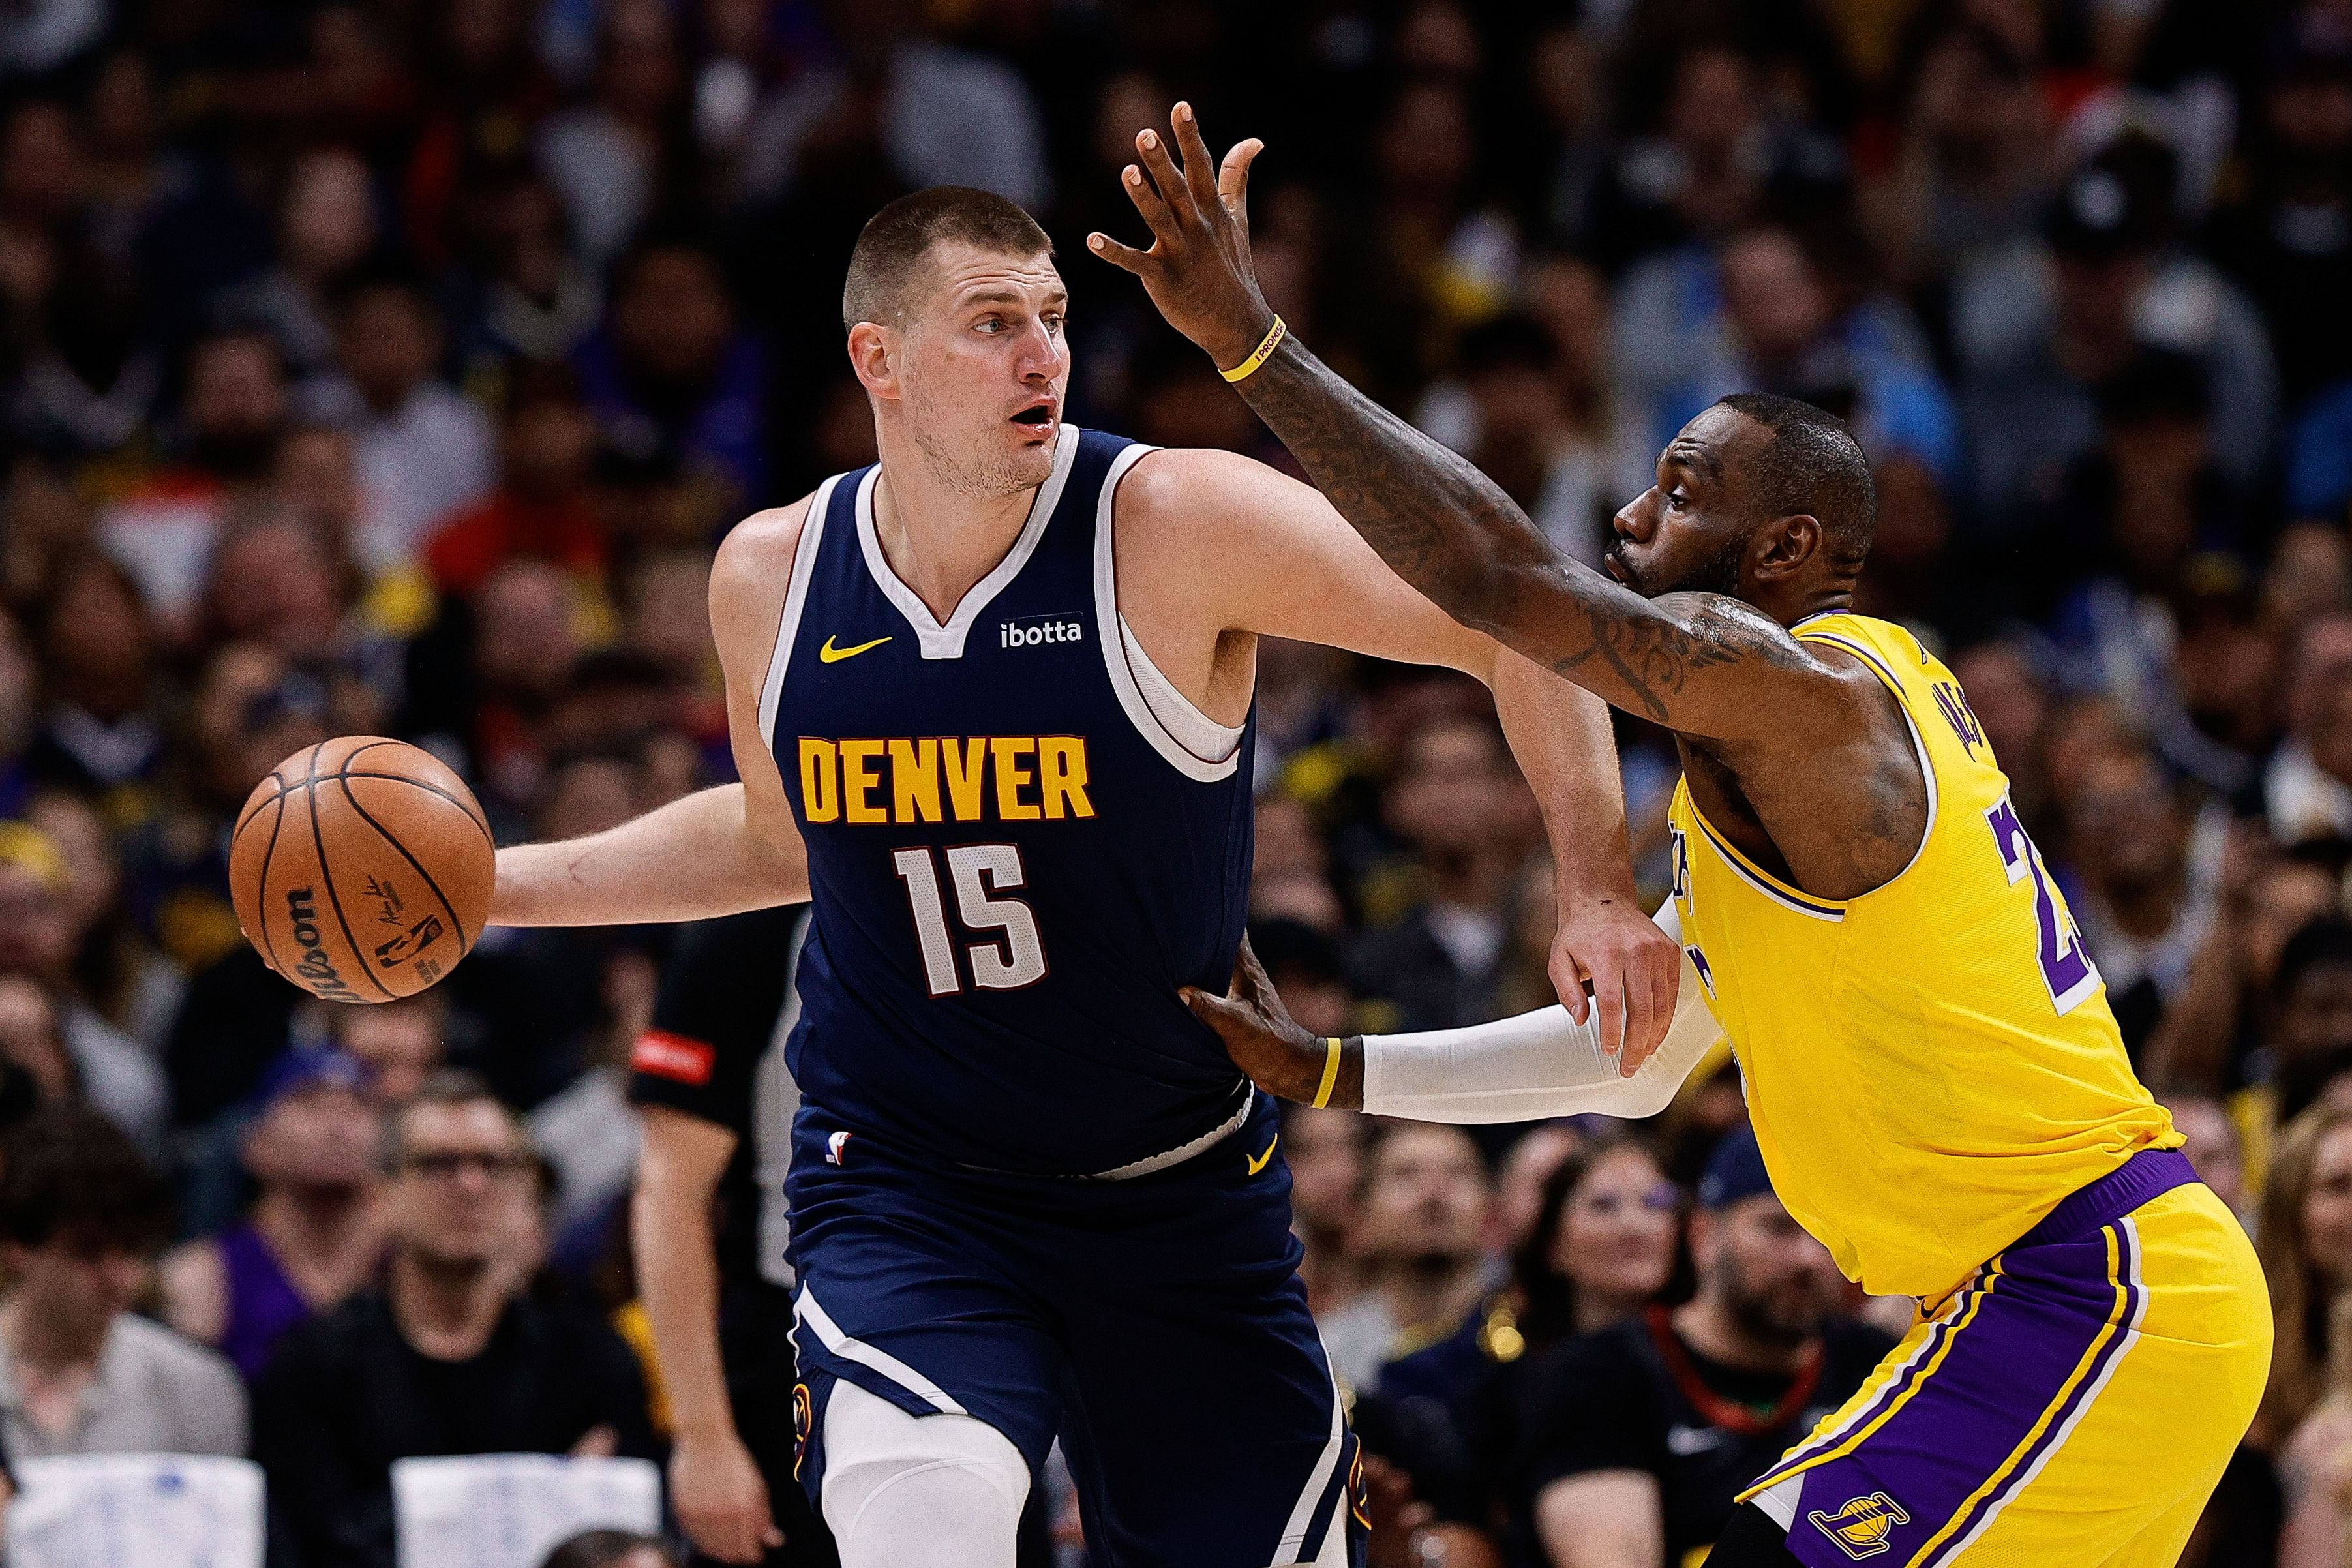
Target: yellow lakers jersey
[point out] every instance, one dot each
(1930, 1067)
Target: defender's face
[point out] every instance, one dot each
(1688, 531)
(985, 366)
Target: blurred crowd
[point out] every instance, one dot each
(394, 366)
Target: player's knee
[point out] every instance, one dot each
(907, 1491)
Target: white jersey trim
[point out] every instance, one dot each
(946, 641)
(871, 1356)
(805, 552)
(775, 1101)
(1318, 1482)
(1190, 741)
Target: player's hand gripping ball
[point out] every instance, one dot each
(361, 869)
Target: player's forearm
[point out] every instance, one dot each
(1560, 735)
(695, 858)
(1448, 530)
(678, 1270)
(1439, 523)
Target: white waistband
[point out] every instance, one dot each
(1183, 1152)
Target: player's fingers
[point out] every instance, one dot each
(1126, 258)
(1609, 1004)
(1174, 189)
(1645, 1025)
(1150, 200)
(1232, 179)
(1568, 981)
(1199, 169)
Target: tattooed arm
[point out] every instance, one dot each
(1702, 663)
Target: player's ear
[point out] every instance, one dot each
(1788, 543)
(874, 355)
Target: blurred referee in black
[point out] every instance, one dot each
(708, 1225)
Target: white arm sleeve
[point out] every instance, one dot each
(1537, 1065)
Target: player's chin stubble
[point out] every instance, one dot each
(981, 468)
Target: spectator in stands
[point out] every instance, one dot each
(424, 450)
(114, 1073)
(2308, 1015)
(81, 1216)
(100, 734)
(1642, 1434)
(542, 509)
(399, 1043)
(315, 1234)
(1605, 1242)
(2214, 1145)
(236, 407)
(2142, 905)
(1423, 1236)
(670, 364)
(451, 1356)
(1325, 1150)
(1527, 1170)
(1451, 802)
(2306, 1239)
(610, 1549)
(2037, 328)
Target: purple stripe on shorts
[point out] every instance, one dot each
(1920, 1359)
(2062, 1422)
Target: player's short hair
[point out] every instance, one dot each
(892, 246)
(1814, 466)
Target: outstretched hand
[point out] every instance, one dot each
(1197, 270)
(1634, 970)
(1267, 1044)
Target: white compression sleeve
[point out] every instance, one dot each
(1537, 1065)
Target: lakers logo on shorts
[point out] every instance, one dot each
(1862, 1526)
(801, 1423)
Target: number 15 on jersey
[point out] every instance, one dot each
(1013, 957)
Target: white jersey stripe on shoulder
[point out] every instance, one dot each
(841, 1345)
(1121, 653)
(804, 553)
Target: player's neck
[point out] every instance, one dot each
(940, 539)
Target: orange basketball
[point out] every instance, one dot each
(361, 869)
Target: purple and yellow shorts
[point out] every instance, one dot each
(2072, 1403)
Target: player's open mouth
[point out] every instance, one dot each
(1037, 416)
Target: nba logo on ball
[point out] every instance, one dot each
(1862, 1526)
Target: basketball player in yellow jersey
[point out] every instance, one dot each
(1934, 1073)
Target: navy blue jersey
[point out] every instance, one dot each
(1021, 842)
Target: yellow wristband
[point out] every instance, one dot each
(1330, 1065)
(1264, 352)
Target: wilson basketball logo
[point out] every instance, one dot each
(314, 965)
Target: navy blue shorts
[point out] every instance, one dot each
(1157, 1325)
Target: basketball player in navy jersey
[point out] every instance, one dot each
(990, 707)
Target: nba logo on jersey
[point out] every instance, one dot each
(1862, 1526)
(834, 1148)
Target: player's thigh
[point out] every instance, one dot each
(925, 1312)
(2015, 1428)
(942, 1491)
(2135, 1470)
(1207, 1432)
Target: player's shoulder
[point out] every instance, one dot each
(765, 539)
(1194, 486)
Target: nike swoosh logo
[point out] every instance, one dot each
(831, 655)
(1259, 1164)
(1688, 1440)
